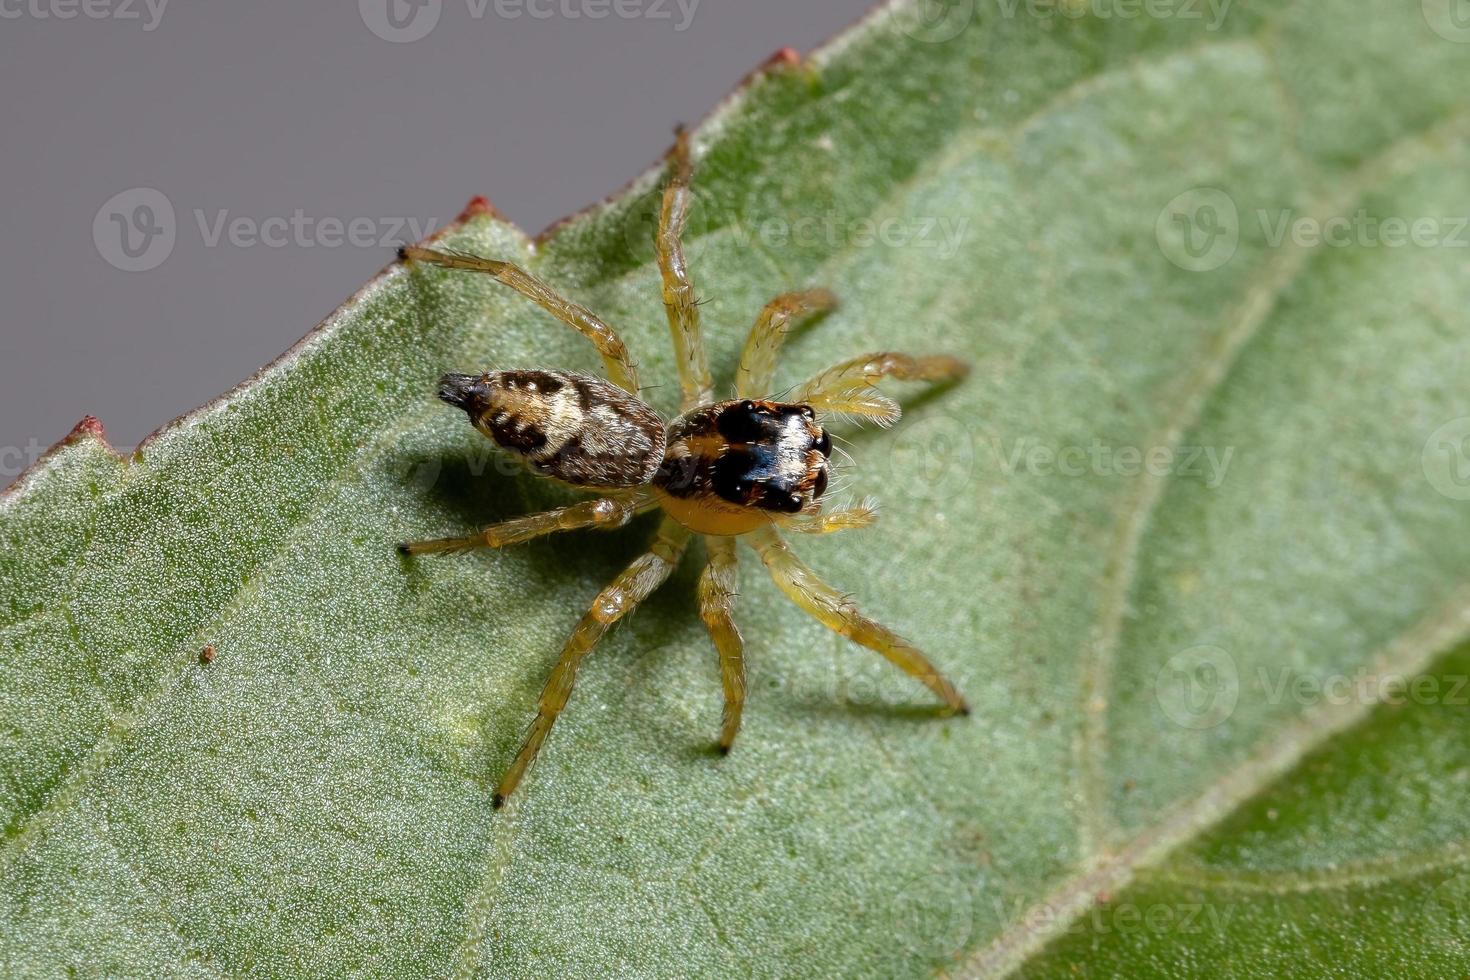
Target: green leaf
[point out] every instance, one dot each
(1207, 476)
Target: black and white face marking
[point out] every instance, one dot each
(761, 454)
(769, 463)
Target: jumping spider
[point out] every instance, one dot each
(722, 469)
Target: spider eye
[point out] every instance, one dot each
(819, 486)
(824, 444)
(807, 411)
(747, 406)
(788, 503)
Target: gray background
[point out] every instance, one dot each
(262, 110)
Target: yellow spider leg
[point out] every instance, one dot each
(616, 360)
(678, 287)
(616, 600)
(836, 612)
(758, 358)
(847, 386)
(716, 596)
(603, 513)
(846, 519)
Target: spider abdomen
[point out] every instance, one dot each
(571, 427)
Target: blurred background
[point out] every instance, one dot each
(193, 186)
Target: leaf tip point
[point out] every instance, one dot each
(479, 205)
(90, 425)
(783, 58)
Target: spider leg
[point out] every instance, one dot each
(620, 597)
(836, 612)
(846, 519)
(848, 385)
(716, 596)
(603, 513)
(758, 358)
(678, 288)
(616, 360)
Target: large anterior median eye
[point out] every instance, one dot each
(777, 499)
(819, 487)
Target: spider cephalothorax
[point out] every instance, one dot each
(746, 468)
(728, 465)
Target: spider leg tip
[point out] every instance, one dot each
(403, 549)
(723, 749)
(497, 801)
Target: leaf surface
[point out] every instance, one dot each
(1203, 464)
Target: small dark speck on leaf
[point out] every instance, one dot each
(206, 656)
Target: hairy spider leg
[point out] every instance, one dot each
(716, 597)
(620, 597)
(601, 513)
(621, 370)
(768, 333)
(847, 387)
(863, 514)
(836, 612)
(680, 302)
